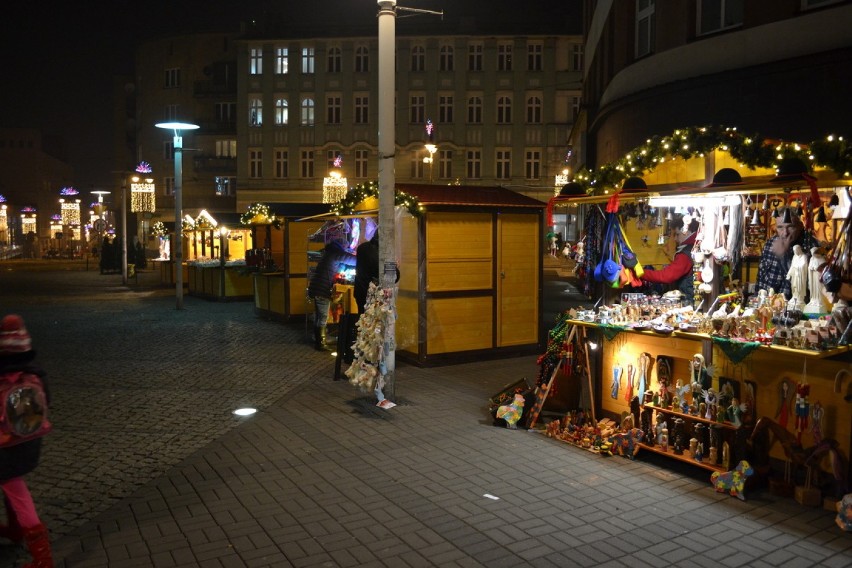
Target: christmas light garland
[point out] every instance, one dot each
(832, 152)
(158, 229)
(362, 191)
(259, 214)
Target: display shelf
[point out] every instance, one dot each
(692, 417)
(686, 457)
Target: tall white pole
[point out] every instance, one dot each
(178, 245)
(124, 230)
(387, 181)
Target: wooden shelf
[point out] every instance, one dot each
(686, 457)
(692, 417)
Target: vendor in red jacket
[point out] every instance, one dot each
(678, 274)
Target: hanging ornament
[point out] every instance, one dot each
(755, 218)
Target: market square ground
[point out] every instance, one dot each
(147, 466)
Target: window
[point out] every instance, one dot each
(445, 164)
(168, 185)
(169, 150)
(418, 58)
(362, 107)
(534, 57)
(308, 60)
(361, 163)
(172, 79)
(282, 62)
(282, 164)
(362, 59)
(255, 163)
(474, 164)
(282, 112)
(226, 148)
(645, 27)
(717, 15)
(474, 57)
(534, 110)
(504, 110)
(445, 109)
(575, 106)
(170, 113)
(225, 185)
(332, 107)
(255, 112)
(226, 112)
(532, 164)
(418, 109)
(255, 60)
(307, 164)
(334, 60)
(577, 57)
(307, 118)
(504, 57)
(504, 164)
(474, 110)
(417, 166)
(446, 60)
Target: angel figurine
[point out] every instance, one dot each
(735, 412)
(711, 400)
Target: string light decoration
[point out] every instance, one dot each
(259, 214)
(55, 224)
(362, 191)
(334, 187)
(142, 196)
(70, 211)
(29, 220)
(158, 229)
(832, 152)
(4, 222)
(205, 221)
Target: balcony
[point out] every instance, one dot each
(218, 126)
(214, 88)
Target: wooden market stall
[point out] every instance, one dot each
(471, 274)
(214, 251)
(798, 391)
(279, 291)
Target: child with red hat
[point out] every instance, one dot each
(24, 525)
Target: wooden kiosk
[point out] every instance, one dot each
(470, 274)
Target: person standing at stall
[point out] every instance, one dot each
(334, 258)
(777, 255)
(678, 274)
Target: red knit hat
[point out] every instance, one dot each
(14, 337)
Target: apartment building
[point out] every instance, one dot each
(278, 105)
(779, 68)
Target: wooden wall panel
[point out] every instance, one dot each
(459, 251)
(459, 324)
(518, 279)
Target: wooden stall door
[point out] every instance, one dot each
(518, 279)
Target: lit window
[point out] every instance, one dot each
(255, 112)
(282, 113)
(281, 60)
(308, 60)
(255, 60)
(307, 118)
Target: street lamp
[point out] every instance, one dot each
(177, 128)
(431, 148)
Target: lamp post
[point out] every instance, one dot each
(431, 148)
(177, 128)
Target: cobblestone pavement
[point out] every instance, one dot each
(148, 467)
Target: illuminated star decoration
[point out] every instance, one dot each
(68, 191)
(568, 155)
(144, 168)
(430, 129)
(338, 161)
(28, 209)
(2, 198)
(56, 217)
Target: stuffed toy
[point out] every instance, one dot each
(844, 513)
(512, 412)
(734, 481)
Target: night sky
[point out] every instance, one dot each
(60, 57)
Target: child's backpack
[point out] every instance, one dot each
(23, 414)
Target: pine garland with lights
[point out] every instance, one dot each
(362, 191)
(259, 214)
(832, 152)
(158, 229)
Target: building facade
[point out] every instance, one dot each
(278, 107)
(779, 68)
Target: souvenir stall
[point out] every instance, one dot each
(731, 372)
(280, 265)
(214, 249)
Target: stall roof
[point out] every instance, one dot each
(474, 195)
(298, 209)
